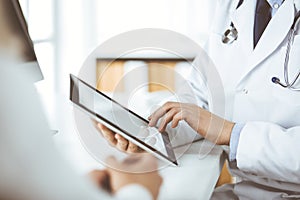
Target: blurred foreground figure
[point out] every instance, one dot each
(31, 168)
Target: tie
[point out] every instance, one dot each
(263, 14)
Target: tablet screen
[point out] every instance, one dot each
(124, 120)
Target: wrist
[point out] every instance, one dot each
(226, 133)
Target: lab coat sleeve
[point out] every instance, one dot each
(268, 150)
(234, 140)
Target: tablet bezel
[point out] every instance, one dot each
(74, 97)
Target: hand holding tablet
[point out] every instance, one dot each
(121, 121)
(117, 141)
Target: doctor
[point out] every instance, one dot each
(257, 55)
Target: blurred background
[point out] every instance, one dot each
(65, 32)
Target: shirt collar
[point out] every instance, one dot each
(275, 4)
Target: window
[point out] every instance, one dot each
(40, 20)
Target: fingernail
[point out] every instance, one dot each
(160, 129)
(150, 123)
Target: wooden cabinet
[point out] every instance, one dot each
(159, 72)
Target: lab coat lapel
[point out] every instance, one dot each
(242, 20)
(273, 36)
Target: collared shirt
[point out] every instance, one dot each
(275, 5)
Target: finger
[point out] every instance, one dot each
(95, 123)
(102, 127)
(122, 143)
(176, 119)
(109, 136)
(132, 148)
(161, 112)
(156, 116)
(167, 118)
(101, 179)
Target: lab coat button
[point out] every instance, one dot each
(245, 91)
(276, 5)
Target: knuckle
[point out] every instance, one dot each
(154, 115)
(175, 111)
(168, 116)
(167, 104)
(177, 117)
(121, 147)
(122, 143)
(132, 148)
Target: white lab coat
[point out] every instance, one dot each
(30, 165)
(268, 149)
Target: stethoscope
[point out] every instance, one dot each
(231, 35)
(289, 85)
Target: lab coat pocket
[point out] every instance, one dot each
(286, 105)
(286, 97)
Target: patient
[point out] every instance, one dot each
(31, 167)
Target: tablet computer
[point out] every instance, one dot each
(121, 120)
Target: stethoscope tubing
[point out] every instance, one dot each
(289, 84)
(231, 35)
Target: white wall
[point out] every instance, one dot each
(84, 24)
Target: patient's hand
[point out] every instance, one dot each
(136, 169)
(116, 140)
(101, 179)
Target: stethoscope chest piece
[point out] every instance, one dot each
(230, 35)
